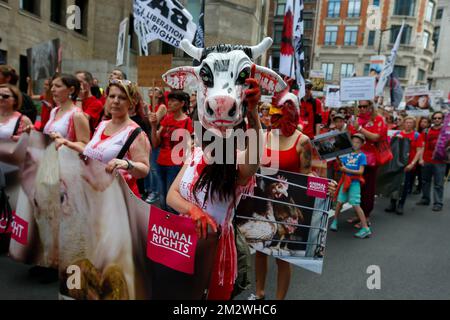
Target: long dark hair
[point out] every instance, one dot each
(219, 180)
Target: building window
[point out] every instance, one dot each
(426, 39)
(351, 34)
(354, 8)
(167, 48)
(281, 7)
(371, 41)
(400, 71)
(439, 13)
(275, 60)
(83, 5)
(421, 75)
(278, 34)
(376, 3)
(347, 70)
(406, 35)
(436, 34)
(404, 7)
(3, 57)
(32, 6)
(308, 24)
(334, 8)
(328, 70)
(58, 11)
(366, 69)
(331, 35)
(429, 12)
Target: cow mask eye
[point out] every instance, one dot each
(207, 76)
(243, 75)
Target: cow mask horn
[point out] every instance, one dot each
(220, 81)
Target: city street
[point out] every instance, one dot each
(411, 251)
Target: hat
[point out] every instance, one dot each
(339, 116)
(360, 136)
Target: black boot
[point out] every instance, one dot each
(392, 207)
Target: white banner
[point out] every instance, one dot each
(121, 42)
(166, 20)
(357, 88)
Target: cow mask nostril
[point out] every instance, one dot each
(233, 111)
(209, 110)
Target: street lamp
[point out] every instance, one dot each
(381, 38)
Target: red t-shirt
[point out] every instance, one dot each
(377, 126)
(308, 116)
(93, 108)
(416, 142)
(169, 125)
(431, 139)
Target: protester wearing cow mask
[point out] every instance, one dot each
(120, 143)
(67, 124)
(12, 123)
(287, 149)
(210, 184)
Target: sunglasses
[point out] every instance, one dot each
(5, 96)
(437, 118)
(361, 107)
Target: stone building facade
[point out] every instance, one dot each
(344, 43)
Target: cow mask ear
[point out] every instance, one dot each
(269, 80)
(182, 78)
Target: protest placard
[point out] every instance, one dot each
(333, 144)
(418, 101)
(333, 97)
(151, 69)
(357, 88)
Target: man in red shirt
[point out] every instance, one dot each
(432, 169)
(311, 112)
(415, 153)
(92, 107)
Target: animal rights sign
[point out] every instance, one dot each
(166, 20)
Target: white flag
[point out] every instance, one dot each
(299, 49)
(166, 20)
(389, 66)
(287, 66)
(121, 42)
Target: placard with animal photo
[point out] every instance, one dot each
(418, 101)
(333, 144)
(287, 217)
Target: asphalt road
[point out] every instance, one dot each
(412, 252)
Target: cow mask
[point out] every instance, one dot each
(220, 81)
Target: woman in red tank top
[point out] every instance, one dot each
(294, 154)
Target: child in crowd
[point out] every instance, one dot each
(352, 167)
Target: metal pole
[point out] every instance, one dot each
(381, 38)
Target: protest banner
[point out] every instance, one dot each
(121, 42)
(151, 69)
(418, 101)
(287, 217)
(72, 215)
(44, 61)
(357, 88)
(166, 20)
(333, 97)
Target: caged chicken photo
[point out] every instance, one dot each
(270, 225)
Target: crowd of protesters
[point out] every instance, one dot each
(116, 126)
